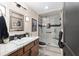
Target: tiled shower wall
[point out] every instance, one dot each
(50, 36)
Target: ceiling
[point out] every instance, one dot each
(45, 7)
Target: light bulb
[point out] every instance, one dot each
(27, 18)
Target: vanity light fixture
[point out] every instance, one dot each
(27, 19)
(18, 5)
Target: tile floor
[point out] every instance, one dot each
(48, 50)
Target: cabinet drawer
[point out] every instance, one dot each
(37, 41)
(29, 46)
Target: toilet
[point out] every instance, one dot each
(42, 44)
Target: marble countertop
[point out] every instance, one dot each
(6, 49)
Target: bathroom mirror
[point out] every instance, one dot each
(16, 21)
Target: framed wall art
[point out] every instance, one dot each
(34, 25)
(16, 21)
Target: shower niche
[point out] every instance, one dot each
(16, 21)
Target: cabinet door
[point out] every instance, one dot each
(36, 41)
(27, 53)
(14, 54)
(29, 46)
(20, 52)
(35, 50)
(17, 53)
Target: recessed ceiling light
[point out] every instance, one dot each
(46, 7)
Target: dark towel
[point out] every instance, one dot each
(60, 43)
(3, 28)
(60, 35)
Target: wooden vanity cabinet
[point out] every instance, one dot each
(20, 52)
(27, 53)
(17, 53)
(32, 49)
(14, 54)
(29, 46)
(36, 42)
(27, 49)
(35, 49)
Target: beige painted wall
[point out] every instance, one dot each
(29, 12)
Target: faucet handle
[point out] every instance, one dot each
(15, 37)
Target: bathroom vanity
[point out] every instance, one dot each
(30, 49)
(24, 47)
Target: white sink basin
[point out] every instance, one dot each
(22, 40)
